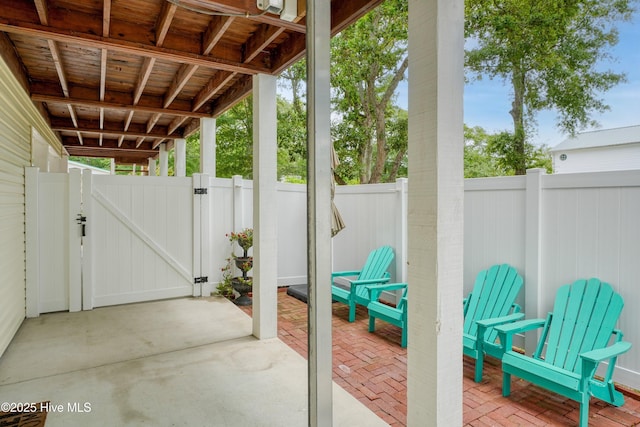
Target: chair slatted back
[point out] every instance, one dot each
(375, 268)
(493, 295)
(584, 317)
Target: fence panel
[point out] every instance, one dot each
(591, 229)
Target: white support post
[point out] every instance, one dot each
(152, 166)
(201, 237)
(133, 169)
(197, 233)
(87, 241)
(265, 207)
(319, 214)
(32, 242)
(180, 157)
(435, 222)
(206, 250)
(401, 229)
(533, 248)
(113, 166)
(238, 203)
(164, 160)
(75, 240)
(208, 146)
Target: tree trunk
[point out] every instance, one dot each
(381, 144)
(517, 113)
(397, 161)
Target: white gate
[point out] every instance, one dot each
(131, 239)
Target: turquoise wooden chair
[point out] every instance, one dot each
(373, 272)
(576, 336)
(395, 315)
(491, 303)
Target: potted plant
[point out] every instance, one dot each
(243, 283)
(225, 288)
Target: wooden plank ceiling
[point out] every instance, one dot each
(116, 78)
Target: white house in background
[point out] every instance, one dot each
(599, 150)
(77, 165)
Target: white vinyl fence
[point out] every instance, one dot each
(553, 228)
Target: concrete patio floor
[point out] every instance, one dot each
(183, 362)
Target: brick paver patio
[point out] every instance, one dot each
(372, 367)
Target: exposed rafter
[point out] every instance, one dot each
(117, 79)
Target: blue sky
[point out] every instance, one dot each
(487, 103)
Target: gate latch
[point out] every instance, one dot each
(82, 220)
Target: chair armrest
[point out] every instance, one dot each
(376, 290)
(591, 359)
(370, 281)
(601, 354)
(345, 273)
(521, 326)
(488, 323)
(507, 331)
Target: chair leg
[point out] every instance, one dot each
(584, 410)
(506, 384)
(479, 365)
(372, 323)
(404, 337)
(352, 312)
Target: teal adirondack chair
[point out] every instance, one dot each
(395, 315)
(491, 303)
(576, 334)
(373, 272)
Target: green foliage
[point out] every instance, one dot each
(369, 59)
(488, 155)
(548, 50)
(234, 140)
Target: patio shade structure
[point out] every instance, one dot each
(117, 79)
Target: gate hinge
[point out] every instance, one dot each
(204, 279)
(202, 190)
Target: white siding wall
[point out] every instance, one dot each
(18, 117)
(610, 158)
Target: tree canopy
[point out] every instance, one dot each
(368, 61)
(549, 52)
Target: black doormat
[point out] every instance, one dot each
(300, 291)
(36, 418)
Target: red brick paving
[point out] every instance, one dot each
(373, 368)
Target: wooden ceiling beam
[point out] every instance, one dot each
(152, 122)
(175, 124)
(244, 9)
(179, 80)
(11, 58)
(241, 89)
(164, 22)
(213, 86)
(145, 50)
(259, 41)
(217, 27)
(109, 143)
(43, 11)
(93, 103)
(111, 128)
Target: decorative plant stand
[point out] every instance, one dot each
(243, 285)
(244, 263)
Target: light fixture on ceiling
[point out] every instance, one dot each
(287, 9)
(271, 6)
